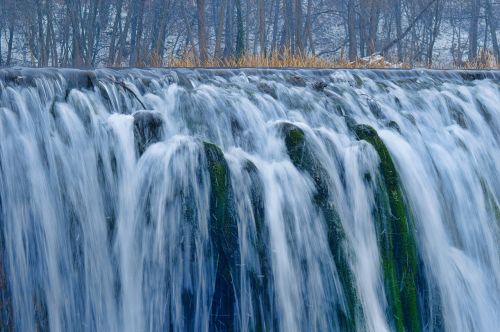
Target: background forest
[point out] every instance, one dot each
(97, 33)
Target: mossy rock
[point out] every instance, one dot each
(395, 234)
(223, 231)
(302, 156)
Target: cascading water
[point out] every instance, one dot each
(252, 200)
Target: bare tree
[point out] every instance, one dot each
(262, 27)
(473, 29)
(492, 20)
(202, 32)
(351, 29)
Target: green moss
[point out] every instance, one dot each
(224, 234)
(396, 236)
(294, 140)
(304, 159)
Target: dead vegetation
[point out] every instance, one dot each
(288, 60)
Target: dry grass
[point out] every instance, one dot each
(485, 60)
(288, 60)
(277, 60)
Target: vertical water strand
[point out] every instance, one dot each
(303, 153)
(256, 299)
(46, 252)
(172, 230)
(304, 276)
(360, 167)
(126, 246)
(397, 239)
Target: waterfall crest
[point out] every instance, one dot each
(249, 200)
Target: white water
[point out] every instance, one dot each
(99, 238)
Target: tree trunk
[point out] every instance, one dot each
(434, 32)
(307, 35)
(159, 43)
(399, 29)
(287, 37)
(262, 27)
(240, 33)
(74, 17)
(362, 22)
(493, 29)
(114, 33)
(135, 26)
(123, 37)
(373, 27)
(202, 32)
(92, 26)
(246, 28)
(220, 29)
(139, 61)
(473, 30)
(351, 30)
(50, 41)
(299, 45)
(229, 31)
(275, 26)
(42, 49)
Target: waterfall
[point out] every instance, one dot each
(249, 200)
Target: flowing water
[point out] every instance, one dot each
(252, 200)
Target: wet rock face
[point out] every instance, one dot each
(395, 232)
(81, 79)
(297, 80)
(223, 230)
(393, 125)
(304, 158)
(184, 82)
(319, 86)
(267, 89)
(148, 129)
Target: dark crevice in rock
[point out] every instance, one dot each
(148, 129)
